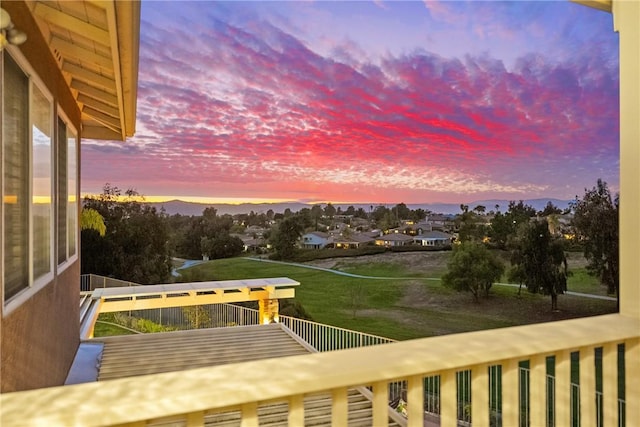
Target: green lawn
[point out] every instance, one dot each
(102, 329)
(404, 309)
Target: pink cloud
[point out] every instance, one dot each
(254, 111)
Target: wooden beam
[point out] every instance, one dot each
(88, 75)
(94, 92)
(72, 23)
(604, 5)
(111, 122)
(115, 54)
(100, 132)
(119, 304)
(76, 51)
(98, 105)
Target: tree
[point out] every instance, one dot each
(480, 209)
(379, 213)
(472, 268)
(401, 211)
(135, 246)
(505, 226)
(356, 295)
(285, 237)
(596, 223)
(468, 227)
(360, 213)
(270, 214)
(316, 214)
(197, 316)
(90, 219)
(539, 262)
(419, 214)
(221, 245)
(550, 209)
(329, 211)
(209, 235)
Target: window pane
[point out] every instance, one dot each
(15, 155)
(72, 187)
(62, 191)
(41, 216)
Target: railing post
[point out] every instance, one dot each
(380, 404)
(195, 419)
(510, 393)
(537, 390)
(339, 407)
(632, 384)
(249, 415)
(296, 410)
(448, 399)
(480, 395)
(562, 409)
(415, 401)
(610, 384)
(587, 387)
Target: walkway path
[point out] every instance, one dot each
(360, 276)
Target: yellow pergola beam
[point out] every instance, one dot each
(162, 301)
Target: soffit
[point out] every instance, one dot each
(96, 46)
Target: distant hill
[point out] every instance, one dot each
(173, 207)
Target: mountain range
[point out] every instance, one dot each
(173, 207)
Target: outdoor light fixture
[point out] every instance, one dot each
(8, 32)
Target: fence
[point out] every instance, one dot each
(89, 282)
(325, 338)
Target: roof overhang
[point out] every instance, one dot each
(604, 5)
(96, 43)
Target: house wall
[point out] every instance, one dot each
(39, 338)
(311, 241)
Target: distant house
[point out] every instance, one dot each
(434, 238)
(353, 241)
(315, 240)
(394, 239)
(413, 229)
(254, 230)
(254, 245)
(441, 222)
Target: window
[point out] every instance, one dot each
(67, 195)
(27, 168)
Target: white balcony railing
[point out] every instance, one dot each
(328, 338)
(193, 395)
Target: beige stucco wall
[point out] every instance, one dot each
(38, 339)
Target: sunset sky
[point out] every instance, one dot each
(368, 102)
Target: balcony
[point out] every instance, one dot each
(526, 374)
(571, 373)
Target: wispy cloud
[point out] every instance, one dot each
(251, 108)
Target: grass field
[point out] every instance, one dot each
(412, 307)
(107, 329)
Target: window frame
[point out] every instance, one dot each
(69, 258)
(34, 284)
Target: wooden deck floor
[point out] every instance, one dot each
(132, 355)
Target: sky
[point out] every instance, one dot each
(368, 102)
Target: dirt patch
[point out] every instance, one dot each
(419, 262)
(412, 261)
(415, 295)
